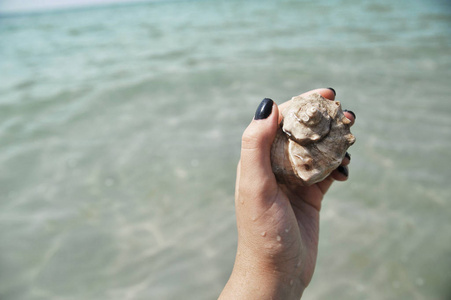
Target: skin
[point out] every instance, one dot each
(278, 226)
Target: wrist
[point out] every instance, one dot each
(252, 279)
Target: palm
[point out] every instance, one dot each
(285, 225)
(301, 229)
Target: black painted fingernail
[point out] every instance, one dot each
(351, 112)
(348, 155)
(332, 90)
(264, 109)
(343, 170)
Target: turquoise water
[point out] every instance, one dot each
(120, 132)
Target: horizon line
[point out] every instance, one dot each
(81, 7)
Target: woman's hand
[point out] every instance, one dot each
(277, 225)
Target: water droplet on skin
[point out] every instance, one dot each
(254, 218)
(279, 238)
(298, 264)
(291, 282)
(263, 234)
(287, 230)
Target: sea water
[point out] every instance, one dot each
(120, 132)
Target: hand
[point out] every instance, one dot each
(277, 225)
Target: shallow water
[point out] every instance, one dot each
(120, 132)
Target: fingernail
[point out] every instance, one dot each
(351, 112)
(343, 170)
(264, 109)
(332, 90)
(348, 155)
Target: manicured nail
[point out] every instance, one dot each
(332, 90)
(351, 112)
(348, 155)
(264, 109)
(343, 170)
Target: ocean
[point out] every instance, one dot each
(120, 131)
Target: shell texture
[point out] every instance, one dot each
(311, 141)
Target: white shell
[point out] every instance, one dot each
(312, 140)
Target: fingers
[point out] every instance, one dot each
(328, 93)
(350, 115)
(339, 174)
(346, 159)
(342, 172)
(255, 172)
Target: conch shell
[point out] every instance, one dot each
(311, 141)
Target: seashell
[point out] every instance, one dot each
(311, 141)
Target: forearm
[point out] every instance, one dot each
(249, 282)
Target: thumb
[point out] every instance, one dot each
(255, 166)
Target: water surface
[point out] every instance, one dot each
(120, 132)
